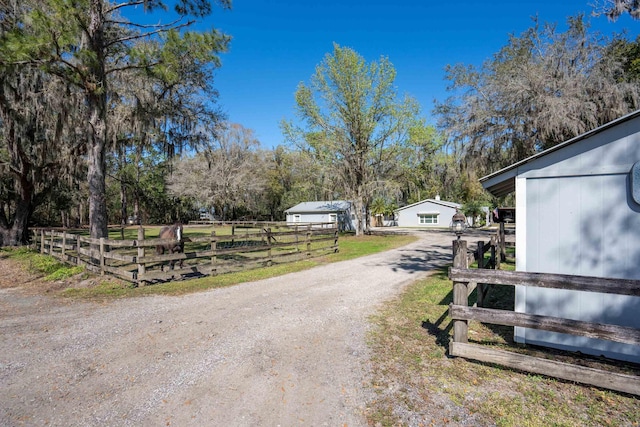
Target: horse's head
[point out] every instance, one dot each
(178, 231)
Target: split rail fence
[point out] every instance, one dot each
(496, 247)
(250, 246)
(465, 280)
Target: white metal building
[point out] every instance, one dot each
(578, 210)
(427, 213)
(323, 211)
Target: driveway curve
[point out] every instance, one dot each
(290, 350)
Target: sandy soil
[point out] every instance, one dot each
(286, 351)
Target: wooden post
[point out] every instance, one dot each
(78, 249)
(51, 243)
(503, 253)
(141, 267)
(64, 244)
(42, 240)
(495, 263)
(335, 241)
(214, 247)
(296, 230)
(480, 251)
(480, 288)
(102, 256)
(460, 295)
(269, 245)
(308, 240)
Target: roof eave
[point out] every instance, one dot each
(502, 182)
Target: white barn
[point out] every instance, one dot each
(432, 213)
(578, 210)
(323, 211)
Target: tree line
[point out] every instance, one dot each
(103, 118)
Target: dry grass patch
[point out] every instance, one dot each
(417, 384)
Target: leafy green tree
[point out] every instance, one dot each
(472, 209)
(39, 136)
(542, 88)
(89, 44)
(353, 123)
(378, 209)
(627, 53)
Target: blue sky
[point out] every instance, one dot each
(278, 43)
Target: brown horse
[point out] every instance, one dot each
(171, 232)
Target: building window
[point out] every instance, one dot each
(333, 217)
(297, 218)
(428, 219)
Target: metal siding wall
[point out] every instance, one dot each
(409, 217)
(577, 231)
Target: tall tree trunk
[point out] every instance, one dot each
(358, 206)
(14, 232)
(96, 89)
(123, 189)
(97, 188)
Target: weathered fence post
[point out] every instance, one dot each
(214, 246)
(460, 292)
(42, 240)
(335, 240)
(480, 254)
(51, 243)
(297, 243)
(481, 287)
(308, 240)
(141, 267)
(78, 262)
(269, 259)
(503, 253)
(64, 245)
(495, 263)
(102, 256)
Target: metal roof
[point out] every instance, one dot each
(320, 207)
(503, 182)
(436, 201)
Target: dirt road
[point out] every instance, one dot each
(286, 351)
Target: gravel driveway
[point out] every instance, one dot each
(289, 350)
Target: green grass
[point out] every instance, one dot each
(41, 265)
(411, 371)
(350, 247)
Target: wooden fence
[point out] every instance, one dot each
(496, 247)
(249, 246)
(464, 280)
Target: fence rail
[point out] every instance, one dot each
(464, 280)
(135, 260)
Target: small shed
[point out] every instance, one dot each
(323, 211)
(578, 215)
(427, 213)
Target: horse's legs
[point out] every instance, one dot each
(160, 251)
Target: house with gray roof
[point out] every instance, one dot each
(578, 207)
(430, 213)
(339, 211)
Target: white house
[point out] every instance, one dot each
(578, 207)
(427, 213)
(324, 211)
